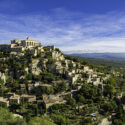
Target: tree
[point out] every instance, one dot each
(7, 118)
(109, 106)
(33, 108)
(117, 122)
(1, 54)
(2, 89)
(60, 120)
(109, 90)
(71, 101)
(41, 121)
(29, 76)
(14, 107)
(89, 91)
(60, 87)
(80, 99)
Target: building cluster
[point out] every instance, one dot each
(48, 100)
(74, 72)
(53, 61)
(12, 98)
(18, 47)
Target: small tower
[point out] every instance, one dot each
(28, 38)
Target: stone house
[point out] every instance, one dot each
(9, 94)
(52, 99)
(68, 74)
(119, 95)
(16, 54)
(4, 101)
(17, 49)
(88, 80)
(85, 68)
(94, 75)
(67, 62)
(79, 71)
(73, 71)
(3, 77)
(54, 83)
(25, 43)
(59, 70)
(45, 85)
(29, 98)
(66, 95)
(72, 64)
(40, 49)
(19, 45)
(74, 78)
(22, 87)
(78, 87)
(96, 81)
(14, 99)
(37, 84)
(30, 87)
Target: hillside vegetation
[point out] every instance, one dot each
(53, 89)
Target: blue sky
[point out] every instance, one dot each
(71, 25)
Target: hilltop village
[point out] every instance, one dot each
(34, 76)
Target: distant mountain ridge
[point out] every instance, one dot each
(108, 56)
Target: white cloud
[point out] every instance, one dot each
(67, 30)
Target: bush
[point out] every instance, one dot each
(6, 118)
(41, 121)
(60, 120)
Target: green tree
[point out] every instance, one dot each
(71, 101)
(60, 120)
(7, 118)
(2, 89)
(109, 90)
(41, 121)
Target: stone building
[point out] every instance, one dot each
(22, 87)
(14, 99)
(25, 43)
(49, 100)
(3, 77)
(28, 98)
(20, 45)
(4, 101)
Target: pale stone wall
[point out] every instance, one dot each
(17, 49)
(28, 42)
(21, 45)
(15, 41)
(3, 77)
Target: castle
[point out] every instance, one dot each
(19, 46)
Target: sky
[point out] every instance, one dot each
(71, 25)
